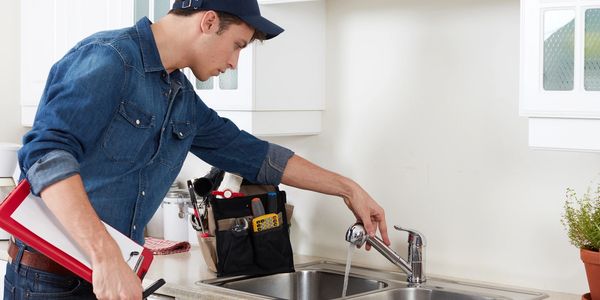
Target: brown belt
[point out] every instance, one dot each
(37, 260)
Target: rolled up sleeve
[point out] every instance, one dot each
(274, 164)
(82, 92)
(222, 144)
(51, 168)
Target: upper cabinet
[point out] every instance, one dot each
(560, 73)
(49, 28)
(278, 87)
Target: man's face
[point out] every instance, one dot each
(216, 53)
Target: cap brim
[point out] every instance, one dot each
(259, 23)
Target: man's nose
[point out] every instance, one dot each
(233, 61)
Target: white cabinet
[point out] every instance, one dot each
(560, 73)
(278, 87)
(49, 28)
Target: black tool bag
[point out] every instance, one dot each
(245, 248)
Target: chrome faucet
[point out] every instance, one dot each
(414, 268)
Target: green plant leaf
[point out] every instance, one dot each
(582, 218)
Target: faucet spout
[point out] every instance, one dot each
(357, 236)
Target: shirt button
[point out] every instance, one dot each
(134, 227)
(180, 134)
(137, 122)
(143, 193)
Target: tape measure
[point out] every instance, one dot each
(265, 222)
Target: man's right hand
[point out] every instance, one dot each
(113, 278)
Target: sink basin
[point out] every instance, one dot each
(303, 284)
(324, 280)
(426, 294)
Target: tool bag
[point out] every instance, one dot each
(248, 244)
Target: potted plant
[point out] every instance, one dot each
(582, 221)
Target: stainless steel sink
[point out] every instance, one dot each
(324, 280)
(425, 293)
(304, 284)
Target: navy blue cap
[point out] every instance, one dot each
(247, 10)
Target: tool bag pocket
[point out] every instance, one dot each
(235, 251)
(272, 251)
(249, 245)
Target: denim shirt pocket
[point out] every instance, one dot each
(177, 143)
(182, 129)
(127, 133)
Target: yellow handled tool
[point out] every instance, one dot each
(265, 222)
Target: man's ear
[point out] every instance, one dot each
(209, 22)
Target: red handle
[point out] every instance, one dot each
(227, 194)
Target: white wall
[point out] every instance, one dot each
(10, 110)
(422, 110)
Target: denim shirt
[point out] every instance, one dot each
(111, 113)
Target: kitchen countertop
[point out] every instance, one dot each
(181, 272)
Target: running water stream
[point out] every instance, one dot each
(348, 264)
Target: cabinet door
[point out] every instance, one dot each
(560, 73)
(232, 90)
(49, 28)
(560, 59)
(35, 60)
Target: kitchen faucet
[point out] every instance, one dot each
(414, 268)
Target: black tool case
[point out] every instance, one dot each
(240, 249)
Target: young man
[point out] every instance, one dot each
(115, 122)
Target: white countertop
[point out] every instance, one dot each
(182, 271)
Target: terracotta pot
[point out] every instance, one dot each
(591, 260)
(586, 297)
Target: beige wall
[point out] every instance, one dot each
(10, 110)
(422, 110)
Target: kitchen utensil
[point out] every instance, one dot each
(175, 225)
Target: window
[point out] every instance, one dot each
(592, 50)
(559, 50)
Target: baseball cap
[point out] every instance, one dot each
(247, 10)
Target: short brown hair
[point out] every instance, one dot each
(225, 20)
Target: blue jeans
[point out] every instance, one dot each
(23, 282)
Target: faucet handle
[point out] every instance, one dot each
(414, 237)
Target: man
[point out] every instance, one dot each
(114, 125)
